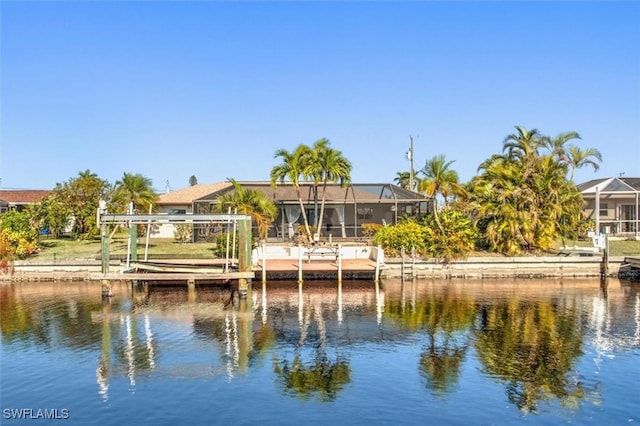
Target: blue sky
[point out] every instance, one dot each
(213, 89)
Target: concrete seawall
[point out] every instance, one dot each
(503, 267)
(474, 267)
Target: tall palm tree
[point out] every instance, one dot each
(292, 168)
(134, 188)
(313, 170)
(578, 158)
(328, 165)
(439, 179)
(263, 211)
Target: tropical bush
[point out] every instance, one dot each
(522, 200)
(454, 237)
(183, 233)
(408, 234)
(448, 235)
(370, 229)
(18, 236)
(221, 245)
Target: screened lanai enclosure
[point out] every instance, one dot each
(345, 208)
(613, 204)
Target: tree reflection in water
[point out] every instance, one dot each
(532, 347)
(321, 376)
(446, 317)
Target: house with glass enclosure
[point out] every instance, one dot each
(613, 204)
(346, 209)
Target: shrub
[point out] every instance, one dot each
(183, 233)
(19, 236)
(453, 238)
(405, 234)
(221, 245)
(370, 229)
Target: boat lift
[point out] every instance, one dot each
(242, 222)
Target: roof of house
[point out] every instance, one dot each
(286, 192)
(611, 185)
(23, 196)
(189, 194)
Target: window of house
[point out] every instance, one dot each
(604, 209)
(365, 212)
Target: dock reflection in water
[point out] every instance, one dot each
(409, 352)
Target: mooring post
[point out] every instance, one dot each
(340, 264)
(299, 264)
(605, 256)
(244, 254)
(191, 290)
(401, 264)
(413, 262)
(378, 254)
(107, 291)
(133, 232)
(104, 237)
(264, 263)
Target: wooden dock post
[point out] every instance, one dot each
(605, 257)
(107, 290)
(244, 254)
(191, 290)
(104, 237)
(340, 264)
(299, 264)
(264, 263)
(377, 274)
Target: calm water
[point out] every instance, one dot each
(422, 352)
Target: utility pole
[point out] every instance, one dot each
(410, 157)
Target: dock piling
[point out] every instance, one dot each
(377, 274)
(339, 263)
(299, 264)
(264, 263)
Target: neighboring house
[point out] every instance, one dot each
(613, 203)
(19, 199)
(181, 202)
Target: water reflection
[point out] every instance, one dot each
(526, 336)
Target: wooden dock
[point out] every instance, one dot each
(634, 262)
(175, 270)
(178, 270)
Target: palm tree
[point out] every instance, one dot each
(402, 179)
(134, 188)
(439, 179)
(523, 144)
(578, 158)
(193, 180)
(250, 202)
(313, 170)
(557, 146)
(292, 168)
(327, 165)
(522, 200)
